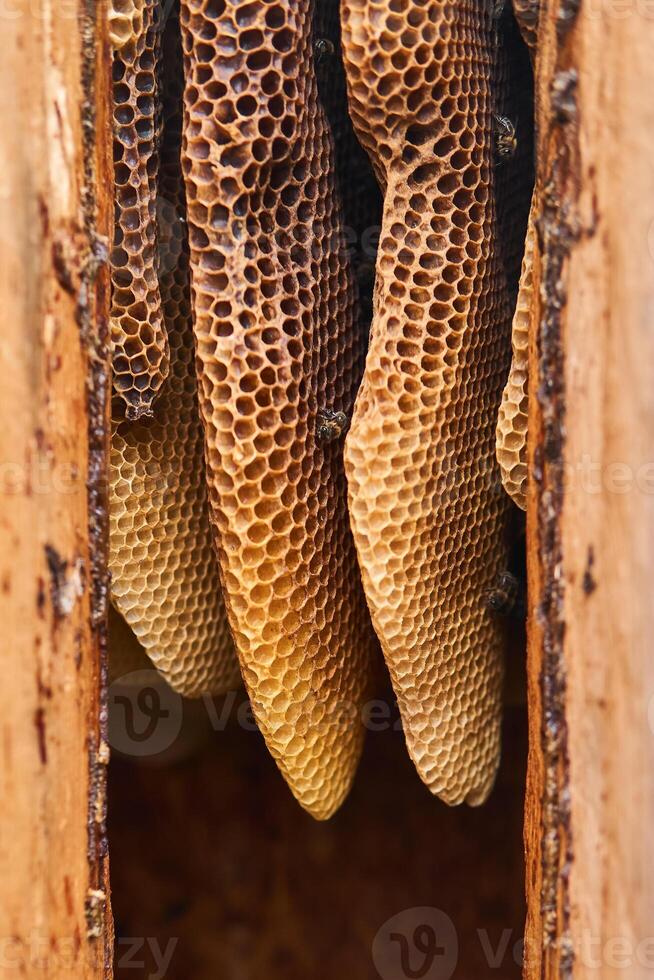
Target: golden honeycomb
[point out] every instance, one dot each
(278, 355)
(140, 354)
(428, 515)
(511, 446)
(165, 580)
(126, 18)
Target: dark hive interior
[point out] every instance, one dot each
(214, 851)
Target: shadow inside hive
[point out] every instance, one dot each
(213, 860)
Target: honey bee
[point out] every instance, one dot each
(506, 140)
(322, 50)
(507, 597)
(497, 8)
(330, 425)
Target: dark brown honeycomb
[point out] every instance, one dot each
(140, 353)
(358, 190)
(126, 22)
(428, 516)
(527, 13)
(274, 330)
(165, 579)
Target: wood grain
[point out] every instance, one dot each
(588, 828)
(54, 142)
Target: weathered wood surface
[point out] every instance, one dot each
(589, 830)
(55, 220)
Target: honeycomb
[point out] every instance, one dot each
(427, 513)
(272, 296)
(511, 445)
(140, 352)
(126, 20)
(165, 580)
(527, 13)
(358, 189)
(126, 655)
(157, 728)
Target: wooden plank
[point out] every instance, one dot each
(55, 217)
(589, 829)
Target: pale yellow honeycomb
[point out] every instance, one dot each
(165, 579)
(127, 658)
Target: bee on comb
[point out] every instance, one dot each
(506, 140)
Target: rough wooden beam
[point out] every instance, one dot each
(55, 218)
(589, 829)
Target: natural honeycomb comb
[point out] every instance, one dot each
(182, 726)
(511, 446)
(126, 21)
(427, 517)
(273, 322)
(140, 357)
(165, 578)
(511, 436)
(358, 190)
(527, 14)
(127, 658)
